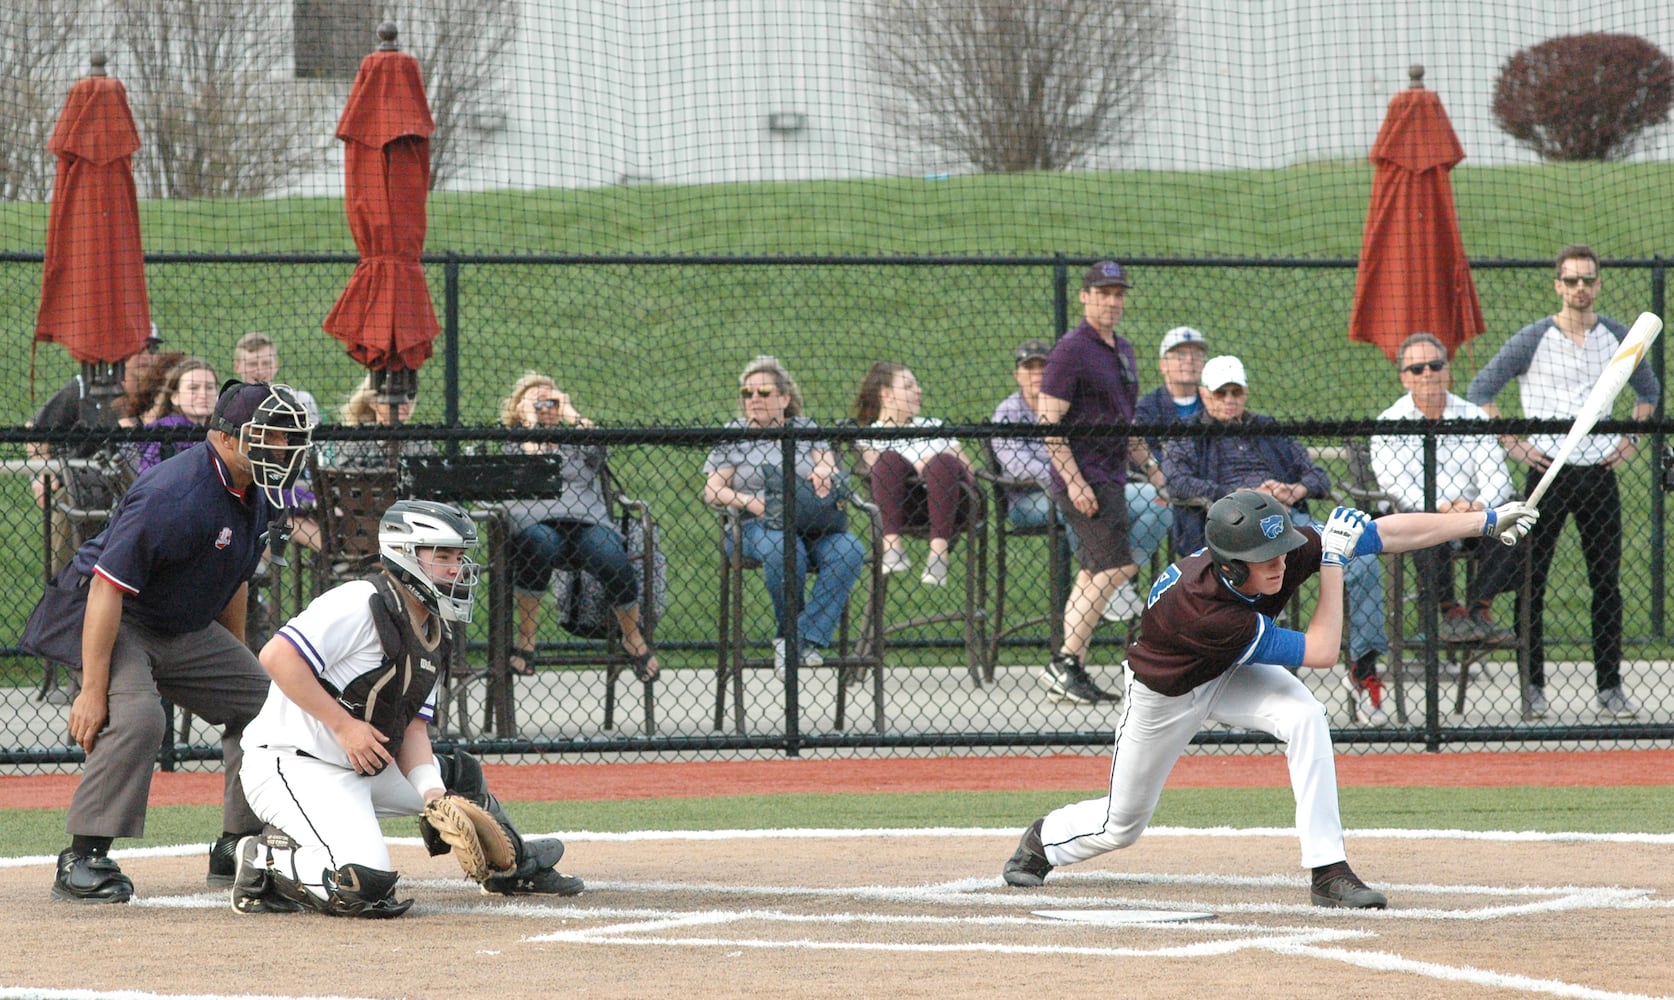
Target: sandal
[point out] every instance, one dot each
(525, 654)
(642, 665)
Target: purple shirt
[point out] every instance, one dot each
(1101, 385)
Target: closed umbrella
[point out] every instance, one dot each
(385, 316)
(93, 297)
(1414, 276)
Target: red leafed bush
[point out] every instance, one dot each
(1584, 97)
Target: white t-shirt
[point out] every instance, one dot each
(336, 636)
(915, 450)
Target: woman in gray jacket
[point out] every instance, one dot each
(572, 532)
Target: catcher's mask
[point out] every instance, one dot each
(411, 525)
(1246, 527)
(272, 428)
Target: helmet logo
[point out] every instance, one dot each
(1273, 525)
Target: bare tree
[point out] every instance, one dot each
(208, 81)
(36, 71)
(461, 46)
(1013, 85)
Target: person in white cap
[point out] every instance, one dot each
(1180, 360)
(1210, 466)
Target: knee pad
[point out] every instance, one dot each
(462, 773)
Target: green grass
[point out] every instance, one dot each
(1546, 810)
(661, 346)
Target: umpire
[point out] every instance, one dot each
(154, 606)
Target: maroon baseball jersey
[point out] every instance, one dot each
(1196, 628)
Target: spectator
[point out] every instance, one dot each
(186, 400)
(1470, 475)
(368, 407)
(914, 480)
(1091, 378)
(738, 474)
(256, 359)
(145, 403)
(572, 532)
(1209, 467)
(156, 606)
(1149, 515)
(1180, 359)
(1556, 360)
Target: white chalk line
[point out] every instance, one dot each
(651, 926)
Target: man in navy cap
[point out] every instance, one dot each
(1092, 377)
(159, 597)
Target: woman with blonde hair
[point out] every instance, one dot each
(572, 531)
(367, 407)
(739, 476)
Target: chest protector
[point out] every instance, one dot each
(390, 695)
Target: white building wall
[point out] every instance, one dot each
(677, 92)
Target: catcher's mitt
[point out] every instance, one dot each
(479, 844)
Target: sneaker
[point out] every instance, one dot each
(1492, 634)
(1614, 702)
(1125, 605)
(1458, 626)
(1066, 679)
(1028, 866)
(1368, 700)
(810, 657)
(935, 571)
(223, 861)
(896, 561)
(1534, 697)
(1338, 886)
(90, 878)
(252, 890)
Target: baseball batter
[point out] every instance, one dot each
(1208, 650)
(356, 676)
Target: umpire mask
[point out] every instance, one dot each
(273, 430)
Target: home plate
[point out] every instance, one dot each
(1114, 917)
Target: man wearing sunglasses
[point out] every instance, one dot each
(1556, 361)
(1470, 475)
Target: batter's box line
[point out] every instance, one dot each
(1379, 961)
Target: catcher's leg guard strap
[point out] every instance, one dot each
(358, 891)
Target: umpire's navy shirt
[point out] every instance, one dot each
(1100, 382)
(180, 543)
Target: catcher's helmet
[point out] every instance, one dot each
(272, 428)
(410, 525)
(1246, 527)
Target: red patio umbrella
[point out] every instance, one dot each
(385, 316)
(1413, 275)
(93, 297)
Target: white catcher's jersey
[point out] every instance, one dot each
(335, 634)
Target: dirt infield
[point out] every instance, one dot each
(904, 914)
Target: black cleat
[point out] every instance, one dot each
(1028, 866)
(90, 878)
(1066, 679)
(223, 861)
(1338, 886)
(543, 882)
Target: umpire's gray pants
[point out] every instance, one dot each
(207, 672)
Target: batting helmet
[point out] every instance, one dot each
(1246, 527)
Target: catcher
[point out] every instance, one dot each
(356, 677)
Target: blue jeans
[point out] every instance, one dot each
(837, 561)
(1148, 522)
(1363, 592)
(572, 545)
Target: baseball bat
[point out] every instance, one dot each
(1603, 396)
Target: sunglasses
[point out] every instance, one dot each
(1572, 280)
(546, 404)
(759, 393)
(1419, 369)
